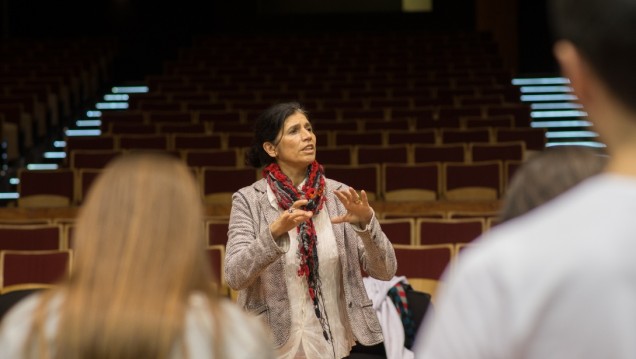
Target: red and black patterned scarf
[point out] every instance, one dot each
(313, 191)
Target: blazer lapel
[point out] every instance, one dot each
(267, 209)
(332, 209)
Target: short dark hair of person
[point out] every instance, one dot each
(548, 174)
(603, 32)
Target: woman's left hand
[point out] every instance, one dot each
(357, 206)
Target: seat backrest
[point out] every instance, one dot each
(33, 267)
(503, 151)
(219, 116)
(239, 139)
(119, 128)
(144, 142)
(428, 136)
(353, 112)
(360, 177)
(402, 124)
(341, 155)
(451, 112)
(437, 231)
(417, 182)
(225, 126)
(520, 112)
(129, 116)
(472, 181)
(506, 121)
(173, 128)
(344, 138)
(190, 141)
(399, 230)
(534, 138)
(367, 154)
(47, 188)
(423, 265)
(93, 159)
(31, 237)
(216, 230)
(212, 158)
(219, 183)
(170, 116)
(452, 152)
(90, 143)
(454, 135)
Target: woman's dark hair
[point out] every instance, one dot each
(267, 126)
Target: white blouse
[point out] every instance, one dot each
(306, 339)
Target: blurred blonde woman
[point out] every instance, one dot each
(141, 282)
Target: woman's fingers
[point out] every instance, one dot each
(364, 197)
(299, 203)
(348, 197)
(354, 197)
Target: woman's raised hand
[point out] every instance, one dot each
(290, 218)
(358, 209)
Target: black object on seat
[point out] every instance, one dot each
(419, 304)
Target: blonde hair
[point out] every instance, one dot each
(140, 254)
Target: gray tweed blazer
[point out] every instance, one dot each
(254, 262)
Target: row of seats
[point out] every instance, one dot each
(340, 155)
(423, 265)
(189, 96)
(28, 269)
(408, 229)
(393, 182)
(533, 138)
(108, 126)
(341, 110)
(402, 230)
(42, 81)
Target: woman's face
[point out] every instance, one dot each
(296, 146)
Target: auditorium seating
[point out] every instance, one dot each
(447, 107)
(44, 80)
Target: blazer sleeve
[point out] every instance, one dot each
(376, 251)
(250, 248)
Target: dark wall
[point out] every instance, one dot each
(145, 18)
(151, 31)
(535, 39)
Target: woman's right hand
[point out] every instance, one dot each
(290, 218)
